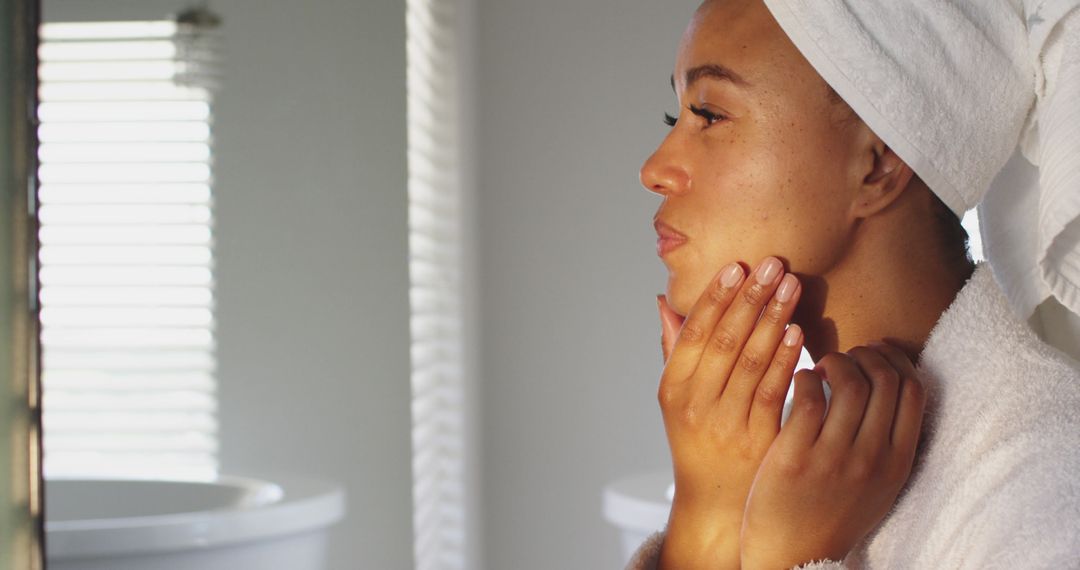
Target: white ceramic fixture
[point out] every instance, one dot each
(233, 523)
(638, 506)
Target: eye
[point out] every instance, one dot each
(669, 120)
(709, 116)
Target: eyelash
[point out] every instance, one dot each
(709, 116)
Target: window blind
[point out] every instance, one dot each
(435, 272)
(126, 258)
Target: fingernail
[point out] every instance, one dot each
(786, 291)
(731, 275)
(791, 337)
(768, 270)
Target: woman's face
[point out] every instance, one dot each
(761, 160)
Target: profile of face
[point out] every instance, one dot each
(761, 159)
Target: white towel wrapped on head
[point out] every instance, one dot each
(954, 87)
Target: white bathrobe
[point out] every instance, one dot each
(996, 480)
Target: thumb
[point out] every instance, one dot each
(670, 324)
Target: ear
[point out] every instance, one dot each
(885, 177)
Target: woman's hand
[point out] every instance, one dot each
(825, 483)
(728, 368)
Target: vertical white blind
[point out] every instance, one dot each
(126, 250)
(435, 269)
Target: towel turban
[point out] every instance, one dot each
(959, 89)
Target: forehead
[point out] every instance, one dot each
(741, 35)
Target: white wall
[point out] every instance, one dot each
(311, 252)
(312, 259)
(571, 97)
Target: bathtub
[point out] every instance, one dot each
(234, 523)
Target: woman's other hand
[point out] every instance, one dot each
(728, 368)
(827, 482)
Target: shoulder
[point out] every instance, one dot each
(980, 352)
(1004, 427)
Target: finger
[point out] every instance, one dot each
(768, 404)
(807, 411)
(909, 416)
(760, 350)
(850, 391)
(670, 323)
(902, 362)
(898, 358)
(699, 323)
(731, 332)
(884, 380)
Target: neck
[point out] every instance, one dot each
(886, 288)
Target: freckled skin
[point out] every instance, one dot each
(765, 181)
(784, 173)
(776, 166)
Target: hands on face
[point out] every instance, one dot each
(748, 493)
(722, 393)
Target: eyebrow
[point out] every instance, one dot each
(712, 71)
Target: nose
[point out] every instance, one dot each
(663, 174)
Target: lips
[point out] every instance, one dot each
(667, 238)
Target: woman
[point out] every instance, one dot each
(845, 193)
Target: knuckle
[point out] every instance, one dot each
(877, 369)
(774, 313)
(859, 386)
(832, 359)
(885, 375)
(769, 394)
(785, 359)
(890, 350)
(914, 389)
(861, 353)
(677, 409)
(689, 415)
(751, 361)
(718, 294)
(791, 464)
(667, 396)
(754, 294)
(691, 333)
(725, 341)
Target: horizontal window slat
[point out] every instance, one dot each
(121, 275)
(132, 111)
(157, 401)
(106, 381)
(112, 338)
(58, 255)
(133, 422)
(68, 31)
(152, 295)
(90, 215)
(131, 359)
(128, 235)
(56, 318)
(119, 153)
(125, 172)
(141, 131)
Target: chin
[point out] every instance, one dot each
(681, 296)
